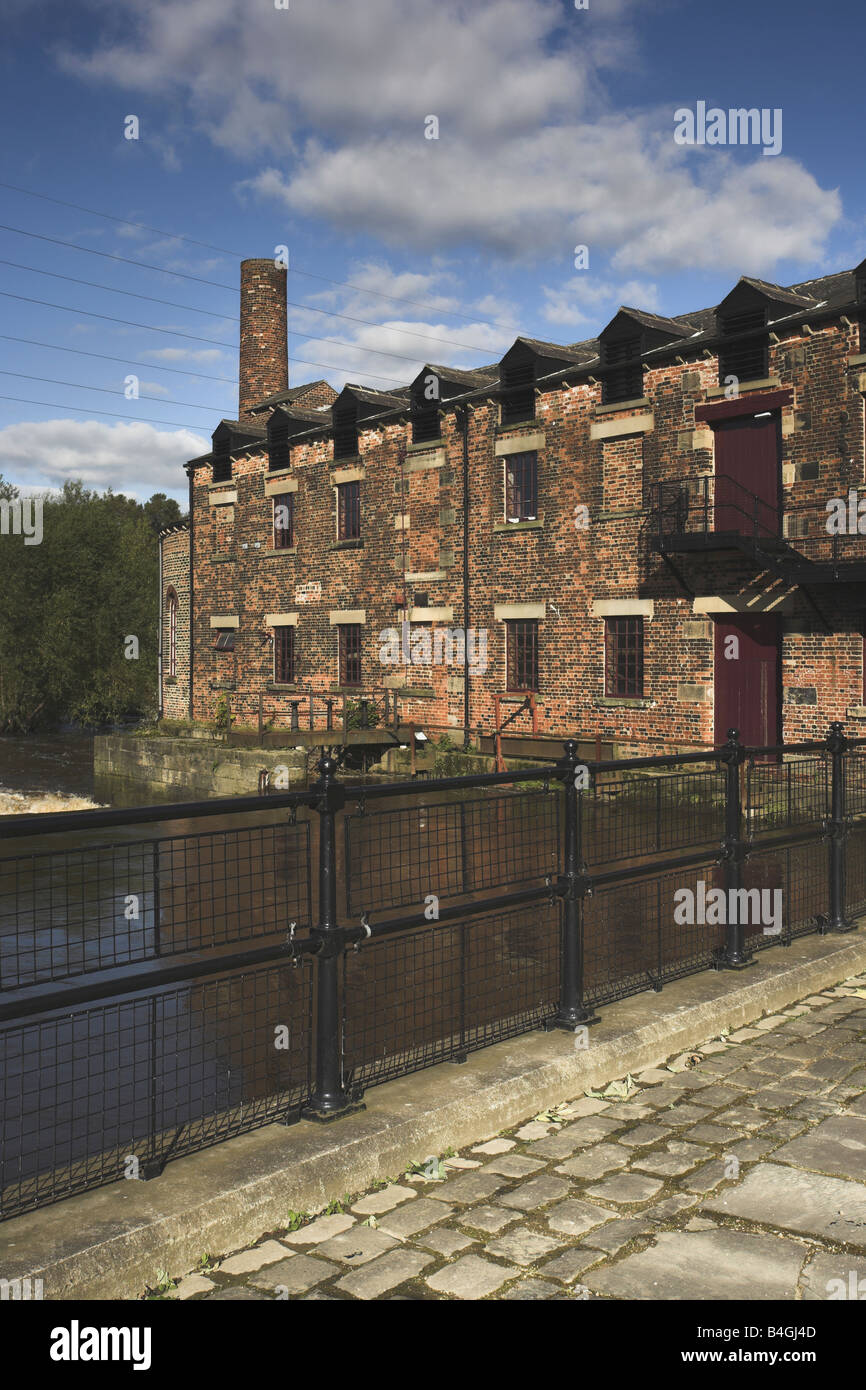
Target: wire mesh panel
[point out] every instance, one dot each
(787, 794)
(626, 818)
(66, 912)
(640, 933)
(793, 883)
(112, 1090)
(415, 1000)
(855, 871)
(233, 885)
(396, 857)
(854, 774)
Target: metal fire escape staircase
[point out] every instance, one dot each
(703, 516)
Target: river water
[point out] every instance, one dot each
(50, 772)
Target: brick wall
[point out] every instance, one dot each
(606, 459)
(175, 581)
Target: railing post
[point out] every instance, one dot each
(837, 830)
(573, 887)
(734, 954)
(329, 1100)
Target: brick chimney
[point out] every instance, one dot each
(263, 369)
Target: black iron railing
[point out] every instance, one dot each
(714, 511)
(164, 989)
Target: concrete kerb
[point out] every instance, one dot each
(111, 1242)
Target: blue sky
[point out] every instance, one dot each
(305, 127)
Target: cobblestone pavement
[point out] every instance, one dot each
(736, 1171)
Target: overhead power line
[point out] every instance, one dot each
(108, 318)
(126, 361)
(217, 284)
(131, 294)
(215, 342)
(85, 410)
(107, 390)
(294, 270)
(179, 371)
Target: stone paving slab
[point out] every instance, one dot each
(742, 1175)
(704, 1265)
(375, 1203)
(413, 1217)
(357, 1246)
(836, 1146)
(596, 1162)
(297, 1275)
(531, 1289)
(538, 1192)
(384, 1274)
(489, 1219)
(834, 1278)
(798, 1201)
(522, 1246)
(471, 1277)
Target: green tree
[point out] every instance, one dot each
(162, 511)
(79, 612)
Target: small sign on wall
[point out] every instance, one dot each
(308, 593)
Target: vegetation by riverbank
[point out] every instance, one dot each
(79, 617)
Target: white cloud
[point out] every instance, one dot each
(587, 302)
(371, 282)
(531, 158)
(256, 77)
(613, 185)
(356, 359)
(135, 459)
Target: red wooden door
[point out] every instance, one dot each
(748, 474)
(747, 679)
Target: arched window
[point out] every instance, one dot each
(171, 602)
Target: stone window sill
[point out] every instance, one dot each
(623, 702)
(271, 554)
(170, 680)
(347, 545)
(272, 685)
(223, 559)
(639, 403)
(766, 383)
(427, 447)
(502, 527)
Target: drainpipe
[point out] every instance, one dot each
(464, 424)
(191, 567)
(159, 636)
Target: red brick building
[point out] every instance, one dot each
(174, 664)
(635, 529)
